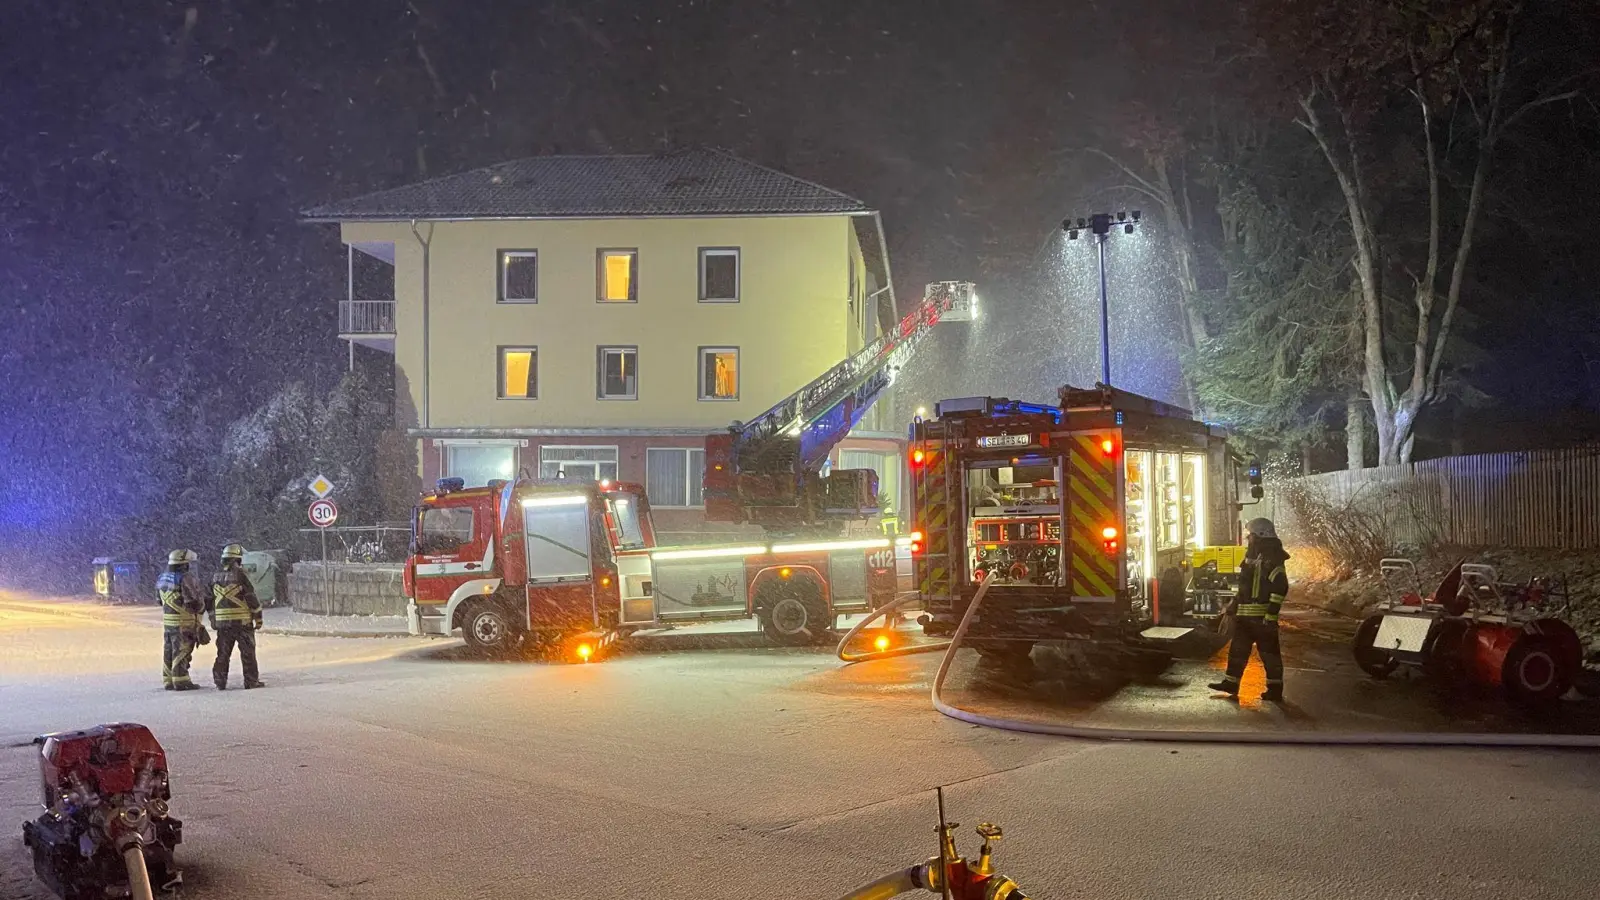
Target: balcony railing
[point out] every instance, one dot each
(366, 317)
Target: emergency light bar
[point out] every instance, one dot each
(557, 500)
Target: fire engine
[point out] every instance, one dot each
(568, 562)
(1105, 520)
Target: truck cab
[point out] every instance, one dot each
(526, 559)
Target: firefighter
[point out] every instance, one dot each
(182, 602)
(1262, 589)
(236, 614)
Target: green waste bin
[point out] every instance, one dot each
(268, 571)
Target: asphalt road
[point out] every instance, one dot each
(391, 768)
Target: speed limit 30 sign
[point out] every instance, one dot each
(322, 513)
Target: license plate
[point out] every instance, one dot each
(1005, 440)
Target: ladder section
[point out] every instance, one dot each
(771, 463)
(803, 428)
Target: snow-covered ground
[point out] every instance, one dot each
(390, 768)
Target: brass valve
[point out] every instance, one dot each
(990, 833)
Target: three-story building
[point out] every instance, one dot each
(598, 316)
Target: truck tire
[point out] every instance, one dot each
(1533, 673)
(793, 613)
(1372, 661)
(488, 628)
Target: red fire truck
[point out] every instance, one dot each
(576, 562)
(1089, 514)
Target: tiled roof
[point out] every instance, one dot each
(689, 183)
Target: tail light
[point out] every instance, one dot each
(917, 456)
(916, 542)
(1108, 446)
(1109, 535)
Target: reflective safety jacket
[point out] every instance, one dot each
(233, 599)
(1262, 582)
(182, 599)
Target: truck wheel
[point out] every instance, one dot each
(1533, 673)
(1442, 658)
(488, 628)
(793, 613)
(1372, 661)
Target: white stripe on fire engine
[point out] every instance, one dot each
(759, 550)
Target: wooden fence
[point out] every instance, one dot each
(1536, 498)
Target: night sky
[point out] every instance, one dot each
(153, 156)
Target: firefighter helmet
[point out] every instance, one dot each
(1261, 528)
(233, 551)
(181, 557)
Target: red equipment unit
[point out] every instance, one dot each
(1477, 630)
(104, 790)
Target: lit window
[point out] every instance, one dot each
(619, 373)
(519, 373)
(619, 276)
(477, 464)
(519, 276)
(675, 476)
(719, 275)
(578, 463)
(719, 373)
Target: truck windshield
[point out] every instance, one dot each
(444, 530)
(557, 541)
(625, 513)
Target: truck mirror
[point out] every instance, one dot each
(1254, 472)
(1256, 492)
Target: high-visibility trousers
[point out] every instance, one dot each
(229, 635)
(1262, 636)
(176, 653)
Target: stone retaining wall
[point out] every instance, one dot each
(359, 589)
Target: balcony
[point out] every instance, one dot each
(369, 323)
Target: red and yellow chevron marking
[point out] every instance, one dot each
(1091, 497)
(933, 520)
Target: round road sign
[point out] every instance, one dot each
(323, 513)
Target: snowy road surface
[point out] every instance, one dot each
(387, 768)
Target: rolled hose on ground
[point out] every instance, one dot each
(1360, 738)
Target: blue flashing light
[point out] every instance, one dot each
(1119, 417)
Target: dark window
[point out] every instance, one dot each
(619, 373)
(519, 276)
(719, 275)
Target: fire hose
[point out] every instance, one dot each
(1357, 738)
(138, 873)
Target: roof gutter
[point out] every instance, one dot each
(426, 245)
(883, 251)
(391, 219)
